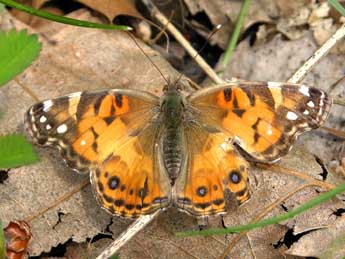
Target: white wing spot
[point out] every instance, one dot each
(43, 119)
(48, 127)
(269, 131)
(76, 94)
(83, 142)
(274, 84)
(306, 112)
(311, 104)
(61, 129)
(291, 116)
(47, 105)
(304, 90)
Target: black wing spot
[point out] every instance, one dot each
(108, 198)
(109, 120)
(113, 182)
(201, 191)
(118, 100)
(100, 186)
(119, 203)
(227, 94)
(239, 112)
(235, 176)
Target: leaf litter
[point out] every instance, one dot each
(72, 64)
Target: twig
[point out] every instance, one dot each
(131, 231)
(339, 101)
(179, 37)
(27, 90)
(316, 57)
(278, 168)
(335, 132)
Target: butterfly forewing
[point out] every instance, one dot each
(263, 118)
(112, 134)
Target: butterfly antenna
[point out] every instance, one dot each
(136, 43)
(218, 27)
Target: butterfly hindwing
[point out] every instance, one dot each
(105, 132)
(263, 118)
(213, 171)
(130, 183)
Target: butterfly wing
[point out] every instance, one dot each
(213, 171)
(264, 119)
(112, 134)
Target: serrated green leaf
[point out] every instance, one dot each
(16, 151)
(2, 242)
(17, 51)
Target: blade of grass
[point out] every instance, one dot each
(337, 6)
(236, 33)
(308, 205)
(62, 19)
(15, 151)
(17, 51)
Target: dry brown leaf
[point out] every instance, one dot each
(17, 235)
(112, 8)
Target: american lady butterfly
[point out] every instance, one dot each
(146, 153)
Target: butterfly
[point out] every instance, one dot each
(146, 153)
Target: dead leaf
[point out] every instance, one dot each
(18, 236)
(112, 8)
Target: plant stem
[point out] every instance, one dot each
(63, 19)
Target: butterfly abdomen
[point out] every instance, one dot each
(172, 152)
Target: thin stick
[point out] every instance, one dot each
(316, 57)
(131, 231)
(339, 101)
(179, 37)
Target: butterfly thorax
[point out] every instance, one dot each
(173, 111)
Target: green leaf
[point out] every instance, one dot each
(16, 151)
(2, 8)
(2, 242)
(63, 19)
(17, 51)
